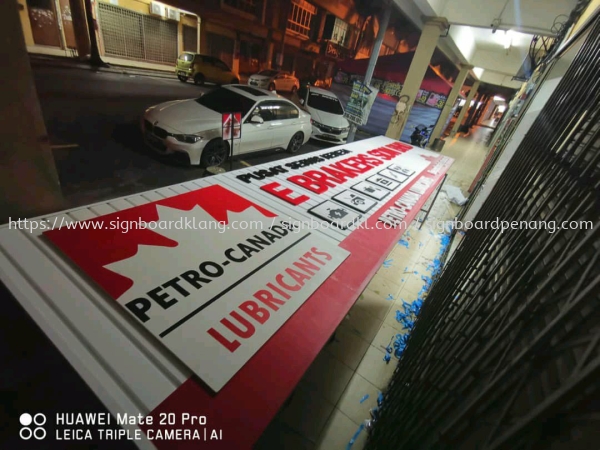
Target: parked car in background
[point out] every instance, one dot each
(275, 80)
(190, 130)
(204, 68)
(327, 113)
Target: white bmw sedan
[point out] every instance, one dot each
(191, 130)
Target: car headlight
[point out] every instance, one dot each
(345, 129)
(316, 124)
(187, 138)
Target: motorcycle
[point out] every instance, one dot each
(420, 137)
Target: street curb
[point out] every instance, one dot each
(122, 70)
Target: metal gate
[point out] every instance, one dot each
(505, 353)
(132, 35)
(190, 39)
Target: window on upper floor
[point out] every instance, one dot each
(338, 31)
(300, 18)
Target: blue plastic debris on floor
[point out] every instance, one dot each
(403, 242)
(410, 310)
(355, 437)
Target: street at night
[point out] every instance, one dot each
(92, 118)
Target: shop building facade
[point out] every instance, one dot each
(305, 37)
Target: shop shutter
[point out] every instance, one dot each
(190, 39)
(128, 34)
(160, 39)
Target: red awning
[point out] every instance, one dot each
(394, 68)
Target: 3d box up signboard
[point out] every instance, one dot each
(210, 289)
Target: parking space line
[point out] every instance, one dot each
(245, 163)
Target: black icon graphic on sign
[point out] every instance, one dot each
(383, 181)
(356, 200)
(369, 189)
(337, 213)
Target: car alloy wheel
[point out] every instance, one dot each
(296, 142)
(215, 153)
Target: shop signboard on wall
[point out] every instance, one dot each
(211, 274)
(336, 51)
(431, 99)
(392, 88)
(361, 100)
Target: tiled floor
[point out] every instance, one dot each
(335, 395)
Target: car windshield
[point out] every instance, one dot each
(186, 57)
(325, 103)
(268, 73)
(224, 100)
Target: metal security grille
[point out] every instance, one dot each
(506, 351)
(129, 34)
(160, 40)
(190, 39)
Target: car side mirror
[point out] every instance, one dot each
(256, 119)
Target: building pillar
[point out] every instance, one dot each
(456, 88)
(204, 44)
(473, 110)
(80, 29)
(268, 53)
(464, 109)
(384, 20)
(427, 43)
(180, 37)
(28, 177)
(479, 116)
(285, 10)
(235, 66)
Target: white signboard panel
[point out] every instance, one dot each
(210, 274)
(295, 187)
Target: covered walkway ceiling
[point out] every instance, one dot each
(492, 35)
